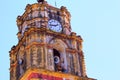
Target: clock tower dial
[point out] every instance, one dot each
(54, 25)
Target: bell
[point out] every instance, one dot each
(56, 59)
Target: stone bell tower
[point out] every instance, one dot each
(47, 49)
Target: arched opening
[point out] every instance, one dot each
(57, 62)
(56, 53)
(59, 50)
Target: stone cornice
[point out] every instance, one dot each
(41, 44)
(46, 31)
(35, 43)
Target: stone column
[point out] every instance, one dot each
(75, 63)
(50, 61)
(72, 65)
(45, 58)
(43, 42)
(64, 61)
(83, 65)
(40, 57)
(68, 56)
(34, 57)
(78, 65)
(28, 62)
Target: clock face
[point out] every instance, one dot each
(54, 25)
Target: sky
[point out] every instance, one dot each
(97, 21)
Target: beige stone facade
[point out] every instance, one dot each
(45, 47)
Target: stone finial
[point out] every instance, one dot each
(40, 0)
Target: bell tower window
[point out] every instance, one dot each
(57, 62)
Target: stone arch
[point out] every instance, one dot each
(60, 46)
(64, 41)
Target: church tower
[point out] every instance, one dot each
(47, 49)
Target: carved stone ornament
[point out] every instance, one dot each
(40, 0)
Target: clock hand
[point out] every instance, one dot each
(53, 25)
